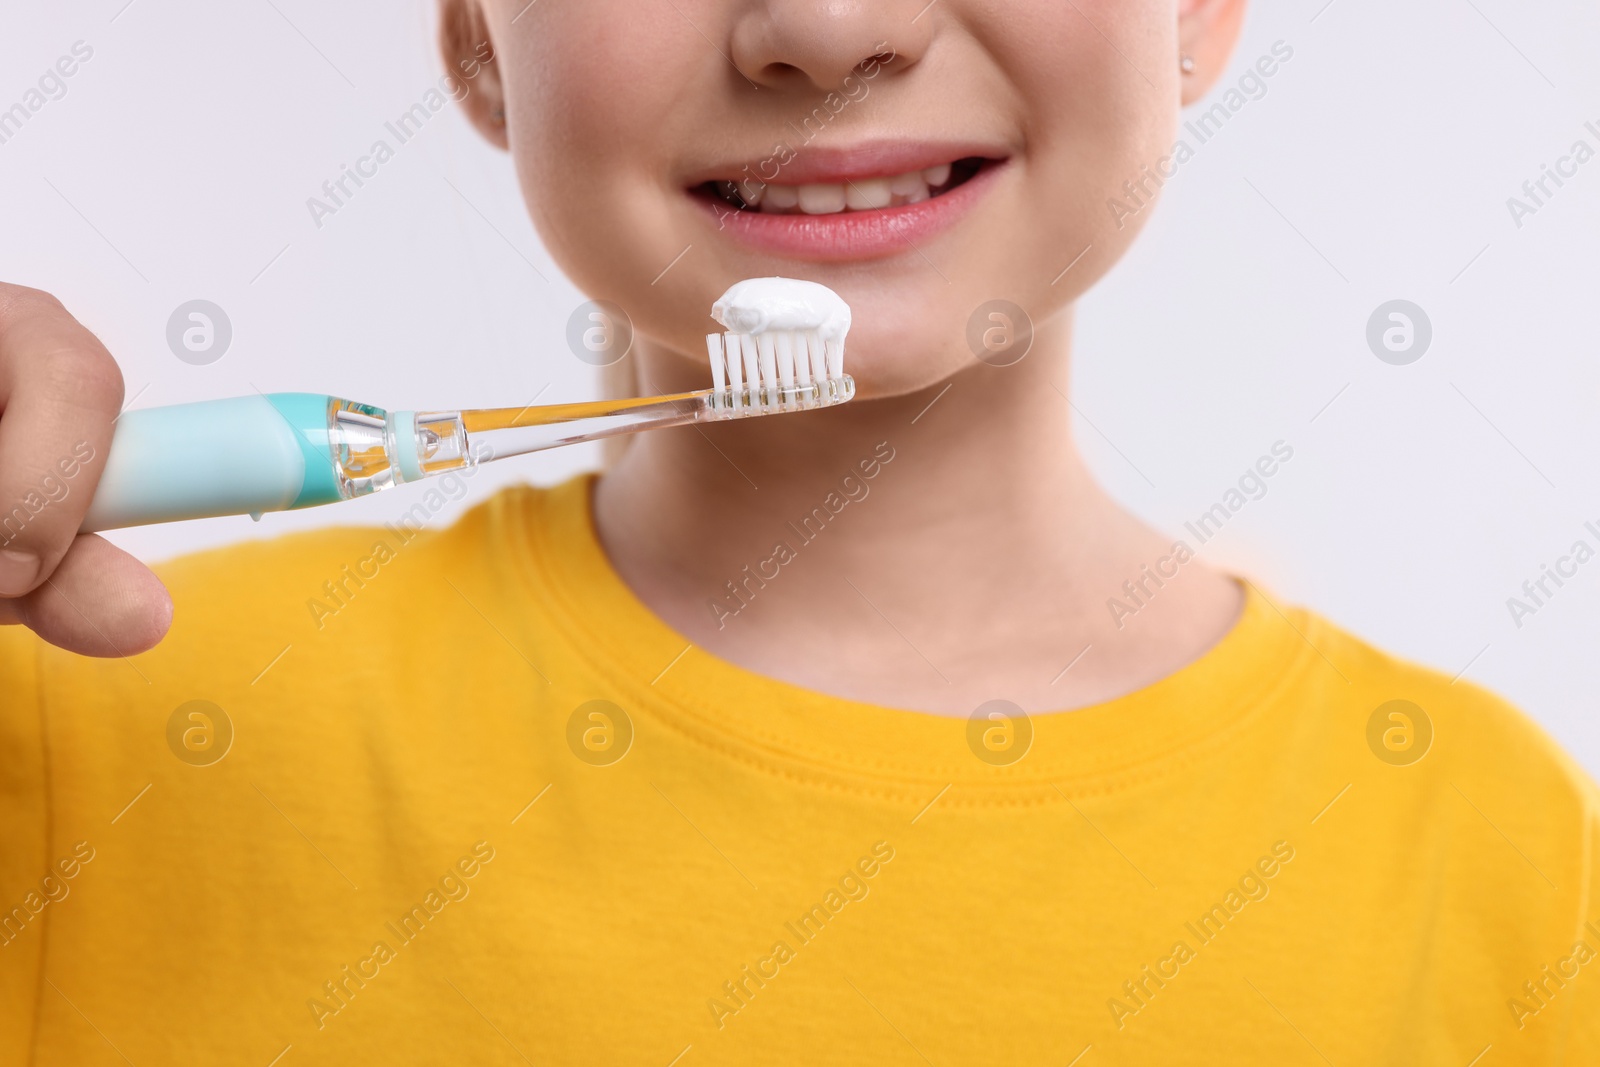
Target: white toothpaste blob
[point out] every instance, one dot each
(760, 305)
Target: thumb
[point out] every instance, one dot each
(99, 601)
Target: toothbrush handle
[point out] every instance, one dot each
(247, 454)
(279, 451)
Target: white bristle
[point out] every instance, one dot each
(784, 343)
(766, 344)
(734, 358)
(718, 368)
(835, 359)
(752, 367)
(802, 357)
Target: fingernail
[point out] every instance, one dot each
(18, 569)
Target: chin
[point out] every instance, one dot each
(906, 338)
(888, 371)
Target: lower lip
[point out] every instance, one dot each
(851, 235)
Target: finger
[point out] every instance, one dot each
(100, 601)
(60, 393)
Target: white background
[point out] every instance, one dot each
(1377, 166)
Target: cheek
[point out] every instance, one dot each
(598, 90)
(1093, 116)
(1102, 104)
(579, 109)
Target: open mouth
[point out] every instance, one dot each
(836, 205)
(853, 195)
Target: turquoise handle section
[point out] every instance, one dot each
(310, 415)
(238, 456)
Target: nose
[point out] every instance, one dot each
(816, 44)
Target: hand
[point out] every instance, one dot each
(60, 394)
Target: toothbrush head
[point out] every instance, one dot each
(782, 349)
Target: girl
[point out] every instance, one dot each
(798, 740)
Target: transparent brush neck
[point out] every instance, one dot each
(404, 446)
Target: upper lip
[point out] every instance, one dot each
(830, 164)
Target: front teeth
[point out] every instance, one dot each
(911, 188)
(865, 194)
(822, 199)
(780, 198)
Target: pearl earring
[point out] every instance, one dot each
(1186, 62)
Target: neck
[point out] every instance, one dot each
(930, 551)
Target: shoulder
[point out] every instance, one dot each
(1455, 786)
(1440, 833)
(1414, 713)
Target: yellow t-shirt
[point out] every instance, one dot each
(457, 797)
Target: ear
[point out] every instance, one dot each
(1207, 32)
(469, 54)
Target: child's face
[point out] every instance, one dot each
(620, 114)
